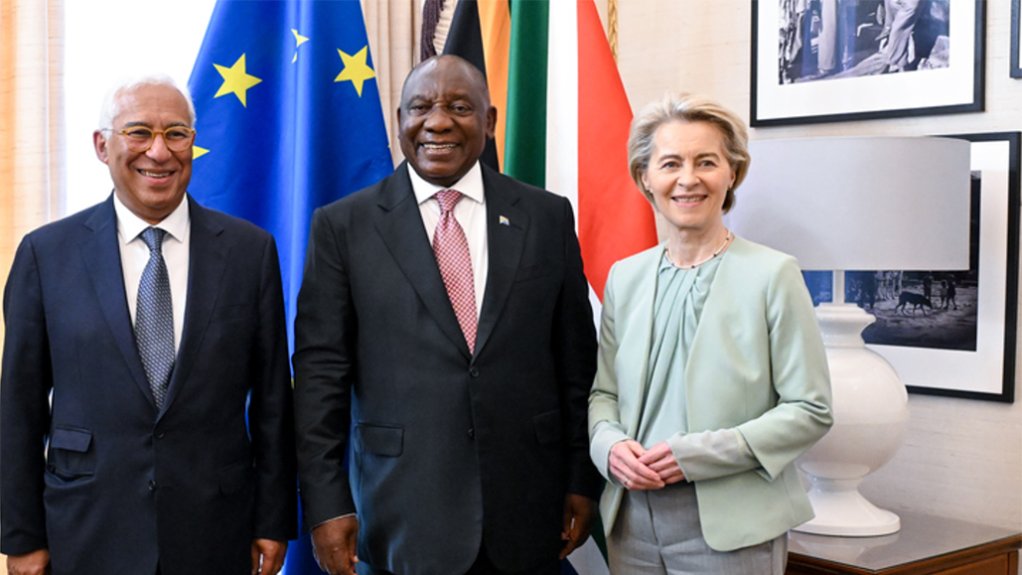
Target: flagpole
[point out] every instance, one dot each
(612, 27)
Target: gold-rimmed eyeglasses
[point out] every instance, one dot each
(141, 138)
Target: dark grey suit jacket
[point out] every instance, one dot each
(123, 485)
(447, 450)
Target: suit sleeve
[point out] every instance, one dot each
(324, 363)
(575, 348)
(272, 412)
(798, 364)
(605, 425)
(24, 407)
(798, 369)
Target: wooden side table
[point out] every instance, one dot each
(925, 546)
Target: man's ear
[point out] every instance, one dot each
(100, 142)
(491, 122)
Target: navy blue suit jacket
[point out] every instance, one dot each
(122, 485)
(449, 450)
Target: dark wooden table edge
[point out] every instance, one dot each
(944, 561)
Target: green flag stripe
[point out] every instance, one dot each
(525, 149)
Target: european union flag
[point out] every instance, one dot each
(289, 119)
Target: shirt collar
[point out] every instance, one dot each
(470, 185)
(665, 260)
(129, 226)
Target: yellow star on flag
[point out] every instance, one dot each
(355, 69)
(198, 152)
(236, 80)
(299, 40)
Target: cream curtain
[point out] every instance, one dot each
(393, 27)
(31, 52)
(31, 172)
(31, 130)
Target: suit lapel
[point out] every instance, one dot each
(640, 324)
(506, 226)
(102, 258)
(718, 301)
(400, 225)
(207, 259)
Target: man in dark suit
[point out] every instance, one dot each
(467, 450)
(156, 329)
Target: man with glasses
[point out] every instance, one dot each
(146, 419)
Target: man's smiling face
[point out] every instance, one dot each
(150, 183)
(445, 118)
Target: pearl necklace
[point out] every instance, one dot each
(720, 249)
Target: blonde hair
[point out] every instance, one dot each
(688, 108)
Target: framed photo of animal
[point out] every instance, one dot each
(953, 333)
(836, 60)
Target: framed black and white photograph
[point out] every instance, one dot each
(836, 60)
(1016, 48)
(953, 332)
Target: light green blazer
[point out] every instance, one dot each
(756, 365)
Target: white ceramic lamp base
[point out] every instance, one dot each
(841, 510)
(870, 412)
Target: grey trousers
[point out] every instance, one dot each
(659, 532)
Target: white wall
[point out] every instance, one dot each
(961, 458)
(108, 40)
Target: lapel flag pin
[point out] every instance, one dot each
(504, 221)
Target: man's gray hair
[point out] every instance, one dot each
(112, 102)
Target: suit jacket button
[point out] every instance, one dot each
(152, 485)
(474, 372)
(471, 433)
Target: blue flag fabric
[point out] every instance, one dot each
(289, 119)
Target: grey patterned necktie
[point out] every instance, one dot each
(154, 318)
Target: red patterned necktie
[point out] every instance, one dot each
(455, 262)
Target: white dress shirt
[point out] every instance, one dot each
(470, 213)
(135, 255)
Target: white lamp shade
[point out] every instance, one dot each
(861, 203)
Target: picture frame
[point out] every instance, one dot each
(988, 373)
(803, 74)
(967, 350)
(1016, 46)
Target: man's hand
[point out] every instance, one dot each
(579, 512)
(333, 544)
(661, 460)
(630, 470)
(268, 556)
(34, 563)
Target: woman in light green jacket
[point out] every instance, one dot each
(712, 376)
